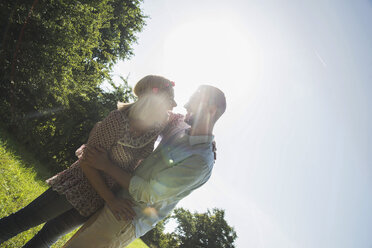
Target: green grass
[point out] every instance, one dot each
(138, 243)
(21, 181)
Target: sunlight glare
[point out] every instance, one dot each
(213, 51)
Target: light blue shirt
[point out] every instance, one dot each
(179, 165)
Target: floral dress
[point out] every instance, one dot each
(124, 150)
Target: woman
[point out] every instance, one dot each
(128, 135)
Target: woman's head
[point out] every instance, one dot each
(147, 85)
(155, 98)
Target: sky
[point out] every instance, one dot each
(294, 162)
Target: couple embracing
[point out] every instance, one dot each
(120, 187)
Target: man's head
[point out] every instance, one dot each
(206, 105)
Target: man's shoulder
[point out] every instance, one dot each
(205, 154)
(199, 155)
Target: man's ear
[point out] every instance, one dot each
(212, 110)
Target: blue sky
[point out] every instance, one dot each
(294, 164)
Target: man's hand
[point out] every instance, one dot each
(96, 158)
(121, 208)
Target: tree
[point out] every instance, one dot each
(197, 230)
(54, 55)
(54, 47)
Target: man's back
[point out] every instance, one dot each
(180, 164)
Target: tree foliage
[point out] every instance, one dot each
(54, 55)
(197, 230)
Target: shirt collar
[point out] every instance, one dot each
(199, 139)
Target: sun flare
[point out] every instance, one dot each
(212, 51)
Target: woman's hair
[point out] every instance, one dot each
(148, 90)
(149, 83)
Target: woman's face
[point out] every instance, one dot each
(162, 103)
(169, 101)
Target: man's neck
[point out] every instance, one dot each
(201, 129)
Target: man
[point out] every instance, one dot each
(181, 163)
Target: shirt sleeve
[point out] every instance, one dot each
(171, 182)
(105, 134)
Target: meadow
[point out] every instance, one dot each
(22, 179)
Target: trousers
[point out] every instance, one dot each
(103, 230)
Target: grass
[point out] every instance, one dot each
(21, 181)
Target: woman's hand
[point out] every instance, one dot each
(121, 208)
(96, 158)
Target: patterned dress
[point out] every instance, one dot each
(124, 150)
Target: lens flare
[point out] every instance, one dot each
(150, 212)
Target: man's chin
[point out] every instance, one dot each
(189, 119)
(189, 122)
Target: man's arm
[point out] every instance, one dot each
(177, 180)
(104, 135)
(98, 160)
(188, 174)
(96, 180)
(121, 208)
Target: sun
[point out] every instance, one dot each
(211, 50)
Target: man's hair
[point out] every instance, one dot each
(215, 97)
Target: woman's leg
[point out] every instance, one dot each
(55, 228)
(46, 207)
